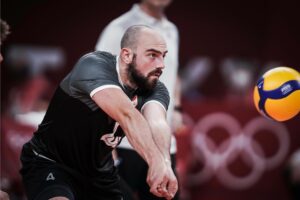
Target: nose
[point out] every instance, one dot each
(160, 63)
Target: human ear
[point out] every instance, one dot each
(126, 55)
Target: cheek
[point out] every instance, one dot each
(144, 66)
(146, 71)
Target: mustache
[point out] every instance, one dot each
(155, 72)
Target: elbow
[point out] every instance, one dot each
(128, 116)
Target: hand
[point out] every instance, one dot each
(162, 180)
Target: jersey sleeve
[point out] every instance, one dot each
(159, 95)
(91, 74)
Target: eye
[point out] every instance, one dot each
(152, 55)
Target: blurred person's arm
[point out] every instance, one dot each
(177, 122)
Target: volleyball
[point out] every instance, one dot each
(277, 93)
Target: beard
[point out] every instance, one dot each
(142, 82)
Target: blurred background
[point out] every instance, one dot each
(226, 150)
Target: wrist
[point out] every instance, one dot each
(159, 159)
(168, 161)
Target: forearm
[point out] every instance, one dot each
(155, 115)
(134, 125)
(161, 134)
(140, 137)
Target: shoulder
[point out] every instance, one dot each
(98, 57)
(158, 94)
(93, 70)
(159, 89)
(93, 63)
(160, 86)
(171, 26)
(174, 28)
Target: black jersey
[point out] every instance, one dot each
(75, 131)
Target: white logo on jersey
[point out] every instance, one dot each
(50, 177)
(110, 139)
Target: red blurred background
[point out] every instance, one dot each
(263, 32)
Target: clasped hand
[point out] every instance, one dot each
(162, 180)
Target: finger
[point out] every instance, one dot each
(162, 188)
(156, 193)
(172, 188)
(154, 183)
(154, 190)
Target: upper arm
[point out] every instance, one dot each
(155, 106)
(154, 113)
(114, 102)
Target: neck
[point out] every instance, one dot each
(124, 75)
(152, 11)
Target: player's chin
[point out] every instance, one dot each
(154, 77)
(151, 83)
(154, 82)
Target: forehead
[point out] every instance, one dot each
(151, 40)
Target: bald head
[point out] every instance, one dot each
(133, 34)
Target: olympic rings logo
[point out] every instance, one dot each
(241, 143)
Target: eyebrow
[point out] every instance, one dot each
(156, 51)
